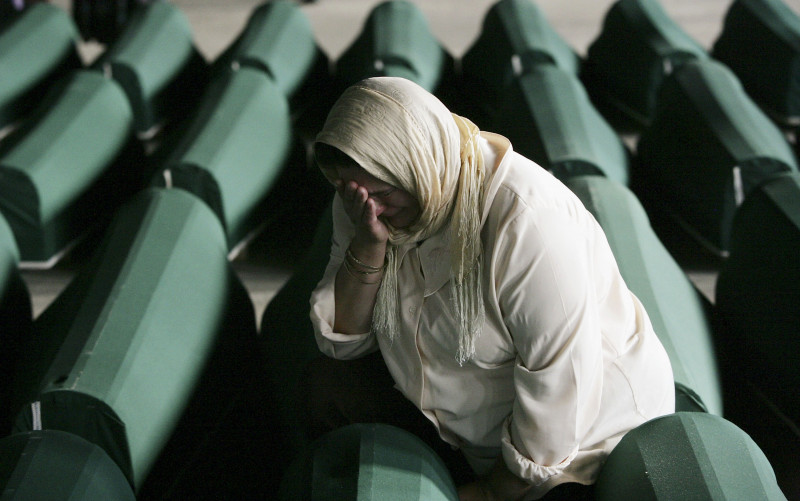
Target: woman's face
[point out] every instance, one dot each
(395, 206)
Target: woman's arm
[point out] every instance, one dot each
(359, 277)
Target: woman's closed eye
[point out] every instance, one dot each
(382, 194)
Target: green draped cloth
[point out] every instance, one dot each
(758, 292)
(287, 336)
(279, 40)
(50, 465)
(678, 312)
(234, 149)
(396, 40)
(515, 38)
(760, 42)
(706, 149)
(687, 455)
(122, 351)
(65, 168)
(368, 462)
(155, 61)
(548, 117)
(36, 49)
(638, 47)
(16, 321)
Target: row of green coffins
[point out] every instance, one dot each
(640, 45)
(75, 157)
(128, 325)
(705, 143)
(151, 355)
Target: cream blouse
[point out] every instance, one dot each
(567, 361)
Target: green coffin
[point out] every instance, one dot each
(515, 38)
(396, 40)
(279, 40)
(16, 320)
(760, 42)
(118, 356)
(368, 462)
(64, 163)
(707, 147)
(235, 148)
(155, 61)
(35, 50)
(638, 47)
(287, 336)
(687, 455)
(758, 296)
(676, 309)
(548, 117)
(54, 465)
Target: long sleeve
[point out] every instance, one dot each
(323, 305)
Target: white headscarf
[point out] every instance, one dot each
(403, 135)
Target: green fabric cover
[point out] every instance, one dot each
(760, 42)
(118, 355)
(368, 462)
(36, 49)
(53, 166)
(287, 336)
(757, 294)
(515, 38)
(279, 40)
(234, 149)
(707, 147)
(396, 40)
(638, 46)
(155, 61)
(16, 320)
(548, 117)
(54, 465)
(676, 309)
(687, 455)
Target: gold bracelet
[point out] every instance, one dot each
(352, 273)
(356, 261)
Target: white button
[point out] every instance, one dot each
(413, 309)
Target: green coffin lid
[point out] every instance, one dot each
(50, 465)
(120, 352)
(155, 61)
(548, 117)
(287, 335)
(51, 165)
(368, 462)
(234, 149)
(638, 46)
(515, 37)
(758, 292)
(707, 147)
(396, 41)
(687, 455)
(279, 40)
(35, 50)
(760, 42)
(16, 320)
(674, 306)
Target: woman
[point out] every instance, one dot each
(490, 292)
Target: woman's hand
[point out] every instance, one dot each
(363, 211)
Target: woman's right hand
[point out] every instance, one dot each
(363, 211)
